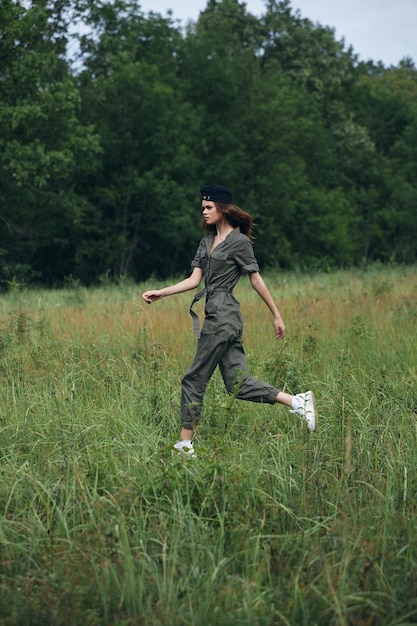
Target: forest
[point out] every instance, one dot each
(111, 120)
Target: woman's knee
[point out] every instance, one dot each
(233, 381)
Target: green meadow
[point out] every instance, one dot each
(102, 523)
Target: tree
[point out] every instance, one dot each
(102, 154)
(265, 133)
(386, 105)
(43, 147)
(143, 189)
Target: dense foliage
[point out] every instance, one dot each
(112, 119)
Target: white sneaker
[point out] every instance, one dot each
(307, 409)
(185, 447)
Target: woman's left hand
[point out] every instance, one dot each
(279, 328)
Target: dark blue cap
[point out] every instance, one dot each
(216, 193)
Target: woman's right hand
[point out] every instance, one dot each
(152, 296)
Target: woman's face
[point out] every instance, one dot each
(211, 213)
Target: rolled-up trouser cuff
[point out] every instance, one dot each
(190, 415)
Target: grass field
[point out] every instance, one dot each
(102, 523)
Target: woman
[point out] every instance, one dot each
(224, 254)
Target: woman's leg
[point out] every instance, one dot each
(233, 367)
(210, 350)
(285, 398)
(186, 434)
(230, 356)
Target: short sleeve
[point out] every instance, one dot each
(245, 257)
(197, 261)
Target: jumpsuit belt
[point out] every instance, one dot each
(207, 291)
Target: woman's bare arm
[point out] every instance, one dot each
(257, 282)
(192, 282)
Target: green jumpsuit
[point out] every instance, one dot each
(220, 341)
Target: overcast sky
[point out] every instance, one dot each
(381, 30)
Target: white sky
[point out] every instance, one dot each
(380, 30)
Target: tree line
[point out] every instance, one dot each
(112, 119)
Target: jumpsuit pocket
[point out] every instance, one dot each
(218, 260)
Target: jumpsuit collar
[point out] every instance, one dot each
(230, 235)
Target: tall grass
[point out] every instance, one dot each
(101, 523)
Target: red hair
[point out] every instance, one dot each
(235, 216)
